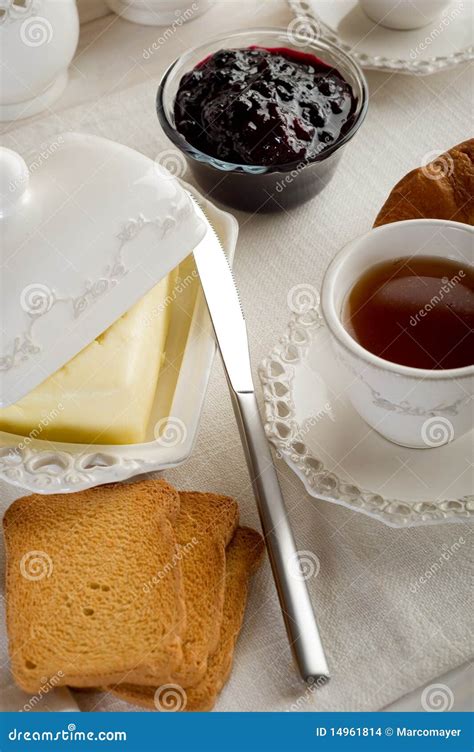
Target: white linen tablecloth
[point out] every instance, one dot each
(382, 640)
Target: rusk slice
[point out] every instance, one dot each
(205, 525)
(80, 610)
(243, 557)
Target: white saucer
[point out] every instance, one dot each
(333, 451)
(444, 43)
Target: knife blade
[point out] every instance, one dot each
(230, 329)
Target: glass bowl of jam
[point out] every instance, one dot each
(262, 117)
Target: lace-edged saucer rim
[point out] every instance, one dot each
(426, 67)
(283, 430)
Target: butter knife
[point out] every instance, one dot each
(231, 333)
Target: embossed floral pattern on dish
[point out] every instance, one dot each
(25, 346)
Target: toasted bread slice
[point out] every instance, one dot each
(243, 557)
(205, 525)
(79, 606)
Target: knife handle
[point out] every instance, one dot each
(293, 594)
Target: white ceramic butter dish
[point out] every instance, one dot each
(46, 466)
(86, 231)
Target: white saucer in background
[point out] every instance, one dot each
(444, 43)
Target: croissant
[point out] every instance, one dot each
(441, 189)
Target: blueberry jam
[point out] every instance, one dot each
(261, 106)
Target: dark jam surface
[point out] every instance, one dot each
(261, 106)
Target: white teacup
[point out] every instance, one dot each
(413, 407)
(403, 14)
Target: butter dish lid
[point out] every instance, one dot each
(87, 230)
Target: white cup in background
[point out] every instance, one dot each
(403, 14)
(159, 12)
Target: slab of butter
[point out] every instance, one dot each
(104, 395)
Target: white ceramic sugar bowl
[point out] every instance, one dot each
(38, 39)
